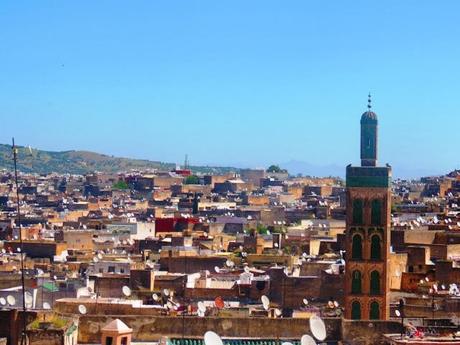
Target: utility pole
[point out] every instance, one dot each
(24, 322)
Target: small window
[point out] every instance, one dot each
(356, 282)
(124, 341)
(376, 248)
(357, 247)
(111, 269)
(108, 341)
(356, 310)
(376, 212)
(357, 211)
(374, 312)
(375, 283)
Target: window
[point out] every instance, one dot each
(357, 211)
(356, 282)
(374, 311)
(357, 247)
(375, 283)
(376, 212)
(124, 341)
(376, 250)
(108, 341)
(111, 269)
(356, 310)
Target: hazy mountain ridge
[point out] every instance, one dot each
(82, 162)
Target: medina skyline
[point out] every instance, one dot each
(271, 84)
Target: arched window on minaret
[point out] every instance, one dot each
(358, 212)
(355, 310)
(376, 212)
(374, 311)
(357, 247)
(375, 283)
(376, 247)
(356, 282)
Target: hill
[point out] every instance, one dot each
(82, 162)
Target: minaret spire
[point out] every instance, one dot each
(369, 102)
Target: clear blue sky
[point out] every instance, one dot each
(247, 83)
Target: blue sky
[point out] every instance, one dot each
(244, 83)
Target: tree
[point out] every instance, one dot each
(275, 169)
(120, 185)
(192, 179)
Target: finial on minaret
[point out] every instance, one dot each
(369, 101)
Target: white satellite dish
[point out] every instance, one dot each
(265, 302)
(95, 259)
(11, 300)
(278, 312)
(200, 313)
(398, 313)
(166, 292)
(305, 301)
(318, 328)
(155, 297)
(2, 301)
(126, 291)
(246, 269)
(28, 298)
(230, 263)
(99, 256)
(201, 307)
(217, 269)
(46, 305)
(307, 340)
(211, 338)
(82, 309)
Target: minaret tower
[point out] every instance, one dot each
(367, 230)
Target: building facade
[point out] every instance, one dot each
(367, 230)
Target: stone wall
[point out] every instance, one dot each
(367, 332)
(153, 328)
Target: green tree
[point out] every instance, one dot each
(275, 169)
(192, 179)
(120, 185)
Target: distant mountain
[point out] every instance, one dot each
(82, 162)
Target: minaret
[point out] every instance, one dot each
(367, 230)
(369, 126)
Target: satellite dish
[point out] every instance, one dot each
(217, 269)
(28, 298)
(2, 301)
(11, 300)
(99, 256)
(336, 304)
(201, 307)
(200, 313)
(126, 291)
(82, 309)
(307, 340)
(246, 269)
(305, 301)
(95, 259)
(318, 328)
(46, 305)
(265, 302)
(278, 312)
(155, 297)
(166, 292)
(219, 303)
(211, 338)
(398, 313)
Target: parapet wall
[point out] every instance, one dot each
(153, 328)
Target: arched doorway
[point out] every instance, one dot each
(374, 311)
